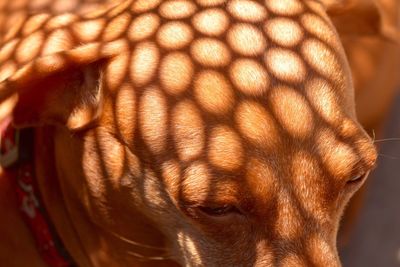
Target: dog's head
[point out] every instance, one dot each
(228, 126)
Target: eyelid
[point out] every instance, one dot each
(358, 177)
(195, 210)
(360, 168)
(218, 211)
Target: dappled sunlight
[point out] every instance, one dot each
(29, 47)
(249, 77)
(8, 49)
(213, 92)
(188, 131)
(225, 150)
(323, 99)
(176, 72)
(257, 125)
(7, 69)
(338, 157)
(116, 70)
(61, 6)
(14, 24)
(174, 35)
(178, 9)
(306, 173)
(284, 31)
(189, 248)
(210, 3)
(116, 27)
(143, 27)
(144, 63)
(112, 153)
(246, 10)
(285, 64)
(126, 113)
(204, 104)
(246, 40)
(318, 27)
(89, 30)
(196, 182)
(259, 187)
(285, 7)
(200, 185)
(210, 52)
(288, 218)
(141, 6)
(96, 187)
(171, 174)
(293, 111)
(319, 56)
(211, 22)
(348, 128)
(153, 119)
(293, 260)
(321, 253)
(65, 20)
(58, 41)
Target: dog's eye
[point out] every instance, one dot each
(219, 210)
(358, 178)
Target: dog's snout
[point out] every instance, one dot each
(309, 251)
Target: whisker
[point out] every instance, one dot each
(130, 241)
(387, 139)
(389, 157)
(147, 258)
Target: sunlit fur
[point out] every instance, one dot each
(193, 104)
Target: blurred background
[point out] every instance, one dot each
(375, 239)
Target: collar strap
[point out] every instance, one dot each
(16, 157)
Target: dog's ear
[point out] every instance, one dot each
(366, 17)
(59, 89)
(70, 97)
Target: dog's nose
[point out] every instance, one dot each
(303, 251)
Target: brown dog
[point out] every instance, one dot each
(198, 133)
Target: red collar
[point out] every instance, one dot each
(16, 157)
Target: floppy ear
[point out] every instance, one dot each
(59, 89)
(366, 17)
(70, 97)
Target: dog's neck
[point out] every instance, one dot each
(87, 242)
(49, 186)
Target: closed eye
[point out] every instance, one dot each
(219, 211)
(211, 211)
(358, 178)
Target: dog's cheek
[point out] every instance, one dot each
(118, 181)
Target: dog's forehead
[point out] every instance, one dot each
(238, 86)
(218, 78)
(260, 71)
(250, 45)
(214, 50)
